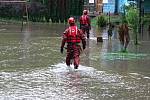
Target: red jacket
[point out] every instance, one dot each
(84, 19)
(73, 35)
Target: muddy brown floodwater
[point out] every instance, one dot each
(32, 67)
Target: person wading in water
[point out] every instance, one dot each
(73, 36)
(85, 24)
(124, 36)
(110, 30)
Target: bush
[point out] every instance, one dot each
(133, 20)
(133, 17)
(101, 21)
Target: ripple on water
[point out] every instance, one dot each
(58, 82)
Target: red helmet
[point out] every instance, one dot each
(71, 20)
(85, 12)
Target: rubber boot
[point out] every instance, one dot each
(75, 67)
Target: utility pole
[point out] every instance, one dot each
(27, 11)
(109, 17)
(116, 7)
(141, 13)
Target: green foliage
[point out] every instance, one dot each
(124, 19)
(101, 21)
(133, 20)
(94, 21)
(43, 10)
(132, 17)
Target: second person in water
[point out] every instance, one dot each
(85, 23)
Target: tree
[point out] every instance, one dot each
(132, 18)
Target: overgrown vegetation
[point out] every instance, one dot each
(101, 21)
(132, 17)
(42, 10)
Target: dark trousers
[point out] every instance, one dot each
(73, 53)
(85, 29)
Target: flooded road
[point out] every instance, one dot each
(32, 67)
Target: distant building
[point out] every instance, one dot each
(109, 5)
(89, 5)
(99, 6)
(112, 6)
(94, 5)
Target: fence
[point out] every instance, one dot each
(43, 10)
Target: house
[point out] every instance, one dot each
(99, 6)
(89, 5)
(113, 6)
(108, 6)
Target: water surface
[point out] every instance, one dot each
(32, 67)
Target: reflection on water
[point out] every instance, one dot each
(32, 68)
(124, 56)
(26, 38)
